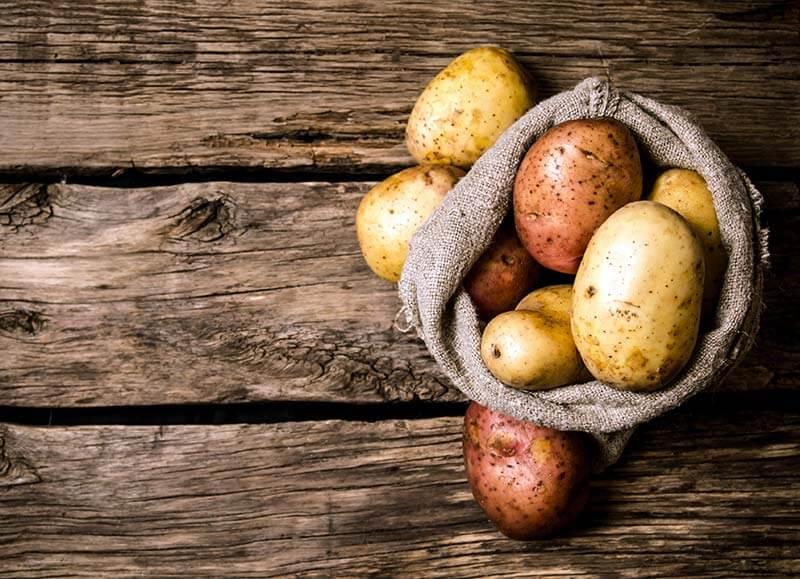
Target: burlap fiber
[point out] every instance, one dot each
(458, 232)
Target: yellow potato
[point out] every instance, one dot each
(636, 298)
(686, 192)
(391, 212)
(531, 347)
(554, 300)
(467, 106)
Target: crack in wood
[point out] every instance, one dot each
(15, 471)
(327, 356)
(302, 136)
(205, 220)
(22, 205)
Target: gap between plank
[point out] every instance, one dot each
(218, 413)
(297, 411)
(167, 176)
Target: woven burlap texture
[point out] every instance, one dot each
(451, 240)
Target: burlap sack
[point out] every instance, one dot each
(446, 246)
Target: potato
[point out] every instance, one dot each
(554, 300)
(467, 106)
(575, 176)
(636, 298)
(532, 348)
(530, 481)
(392, 211)
(502, 276)
(686, 192)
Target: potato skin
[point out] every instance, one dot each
(575, 176)
(467, 106)
(530, 481)
(555, 300)
(532, 347)
(686, 192)
(501, 276)
(392, 211)
(636, 298)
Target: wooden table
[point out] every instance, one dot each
(198, 373)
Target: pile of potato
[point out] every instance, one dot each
(644, 272)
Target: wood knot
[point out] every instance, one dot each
(13, 470)
(24, 204)
(16, 322)
(204, 220)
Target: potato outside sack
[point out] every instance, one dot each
(392, 211)
(530, 481)
(467, 106)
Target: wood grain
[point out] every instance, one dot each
(327, 85)
(708, 491)
(221, 292)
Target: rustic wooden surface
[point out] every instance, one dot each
(709, 492)
(215, 292)
(224, 292)
(327, 85)
(239, 281)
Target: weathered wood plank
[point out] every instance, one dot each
(221, 292)
(708, 491)
(327, 85)
(210, 292)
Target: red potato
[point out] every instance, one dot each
(502, 276)
(575, 176)
(530, 481)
